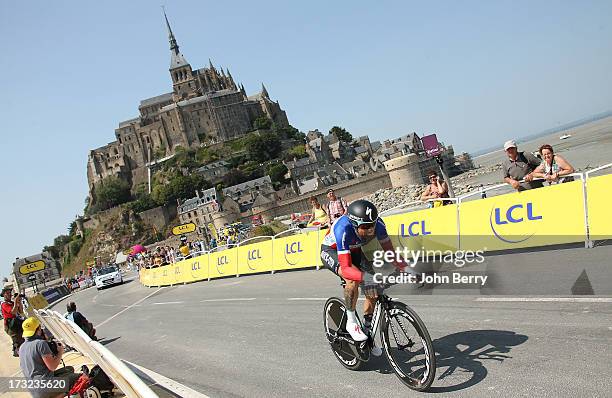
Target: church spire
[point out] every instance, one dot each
(177, 59)
(264, 92)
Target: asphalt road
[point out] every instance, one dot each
(262, 335)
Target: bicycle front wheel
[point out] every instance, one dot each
(408, 347)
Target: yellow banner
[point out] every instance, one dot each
(256, 257)
(297, 251)
(538, 217)
(599, 190)
(223, 263)
(433, 229)
(184, 229)
(32, 267)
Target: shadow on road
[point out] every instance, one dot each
(107, 340)
(460, 357)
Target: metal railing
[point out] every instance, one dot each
(73, 336)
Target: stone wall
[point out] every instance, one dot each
(159, 217)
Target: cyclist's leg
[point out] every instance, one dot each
(371, 295)
(351, 287)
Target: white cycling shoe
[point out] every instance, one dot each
(356, 332)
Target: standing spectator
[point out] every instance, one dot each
(519, 166)
(38, 361)
(336, 207)
(184, 247)
(553, 167)
(437, 188)
(319, 215)
(11, 311)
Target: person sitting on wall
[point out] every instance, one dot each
(319, 215)
(436, 189)
(519, 166)
(553, 167)
(73, 315)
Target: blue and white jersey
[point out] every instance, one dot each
(343, 237)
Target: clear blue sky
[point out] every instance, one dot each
(476, 73)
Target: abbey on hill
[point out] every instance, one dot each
(205, 106)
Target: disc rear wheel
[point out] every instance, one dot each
(334, 320)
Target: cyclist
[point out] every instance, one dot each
(341, 252)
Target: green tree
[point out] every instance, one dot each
(263, 147)
(341, 133)
(111, 192)
(277, 173)
(262, 123)
(298, 152)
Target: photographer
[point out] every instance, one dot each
(39, 358)
(11, 311)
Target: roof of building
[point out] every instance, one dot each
(156, 100)
(360, 149)
(129, 122)
(298, 163)
(213, 165)
(265, 180)
(309, 185)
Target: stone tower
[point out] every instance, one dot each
(183, 81)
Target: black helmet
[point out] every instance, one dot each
(183, 238)
(362, 212)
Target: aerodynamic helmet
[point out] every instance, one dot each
(362, 212)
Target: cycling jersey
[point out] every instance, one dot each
(342, 238)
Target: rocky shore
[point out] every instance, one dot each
(385, 199)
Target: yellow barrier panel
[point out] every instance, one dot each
(256, 257)
(599, 190)
(297, 251)
(197, 268)
(223, 263)
(433, 229)
(538, 217)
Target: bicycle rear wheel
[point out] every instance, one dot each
(334, 320)
(408, 347)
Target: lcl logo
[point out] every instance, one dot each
(515, 214)
(291, 249)
(221, 261)
(415, 228)
(252, 256)
(195, 267)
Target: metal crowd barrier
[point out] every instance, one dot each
(73, 336)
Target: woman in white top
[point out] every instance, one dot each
(553, 167)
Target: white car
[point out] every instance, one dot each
(108, 276)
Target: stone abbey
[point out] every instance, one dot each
(205, 106)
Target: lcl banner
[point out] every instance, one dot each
(297, 251)
(223, 263)
(538, 217)
(256, 257)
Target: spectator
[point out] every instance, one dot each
(213, 244)
(11, 311)
(319, 215)
(519, 166)
(184, 247)
(78, 318)
(336, 207)
(38, 361)
(436, 188)
(553, 166)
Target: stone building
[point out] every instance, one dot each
(208, 212)
(244, 194)
(205, 106)
(214, 172)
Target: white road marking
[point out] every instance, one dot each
(127, 308)
(169, 302)
(228, 299)
(314, 299)
(548, 299)
(177, 388)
